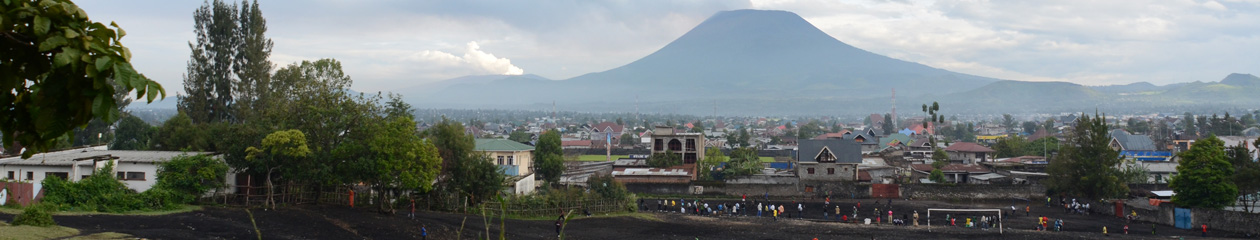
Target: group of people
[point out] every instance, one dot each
(982, 221)
(1074, 207)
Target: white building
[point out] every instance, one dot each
(136, 169)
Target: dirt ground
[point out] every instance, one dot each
(336, 222)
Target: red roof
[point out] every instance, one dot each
(967, 147)
(863, 175)
(951, 168)
(605, 125)
(833, 135)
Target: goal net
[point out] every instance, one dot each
(996, 212)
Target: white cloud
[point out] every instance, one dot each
(473, 59)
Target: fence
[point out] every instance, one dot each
(595, 206)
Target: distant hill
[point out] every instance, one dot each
(1128, 88)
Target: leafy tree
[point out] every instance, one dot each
(549, 157)
(1049, 126)
(712, 158)
(397, 108)
(132, 134)
(1248, 119)
(1010, 147)
(1008, 122)
(281, 150)
(620, 122)
(1030, 127)
(939, 158)
(1131, 172)
(697, 127)
(59, 71)
(400, 160)
(209, 80)
(888, 124)
(1136, 126)
(95, 132)
(1246, 175)
(744, 137)
(1204, 176)
(1041, 147)
(664, 160)
(627, 139)
(1086, 166)
(192, 176)
(1188, 125)
(519, 135)
(937, 176)
(468, 173)
(179, 133)
(251, 63)
(743, 162)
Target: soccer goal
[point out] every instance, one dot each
(994, 210)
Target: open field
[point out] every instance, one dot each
(335, 222)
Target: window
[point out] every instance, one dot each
(30, 175)
(11, 177)
(691, 145)
(500, 160)
(658, 145)
(509, 162)
(831, 171)
(62, 175)
(137, 176)
(810, 170)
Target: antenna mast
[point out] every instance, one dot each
(894, 109)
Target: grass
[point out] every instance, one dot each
(102, 236)
(32, 232)
(183, 209)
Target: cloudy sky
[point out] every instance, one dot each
(385, 45)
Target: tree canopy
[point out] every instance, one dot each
(1204, 176)
(59, 71)
(549, 157)
(1086, 165)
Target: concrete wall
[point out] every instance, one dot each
(660, 188)
(140, 185)
(838, 190)
(843, 172)
(966, 191)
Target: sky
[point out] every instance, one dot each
(393, 44)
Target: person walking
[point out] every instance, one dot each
(1204, 230)
(1105, 231)
(1126, 229)
(800, 210)
(916, 218)
(1027, 211)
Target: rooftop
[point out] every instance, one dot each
(68, 157)
(498, 144)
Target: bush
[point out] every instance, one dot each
(35, 216)
(185, 178)
(103, 193)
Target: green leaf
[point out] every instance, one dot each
(52, 43)
(102, 63)
(42, 24)
(120, 76)
(61, 59)
(154, 89)
(120, 31)
(70, 33)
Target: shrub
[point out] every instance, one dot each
(35, 216)
(185, 178)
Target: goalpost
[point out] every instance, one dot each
(997, 210)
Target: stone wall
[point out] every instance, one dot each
(970, 191)
(1232, 221)
(838, 190)
(659, 188)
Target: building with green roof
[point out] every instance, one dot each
(514, 158)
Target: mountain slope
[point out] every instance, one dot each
(738, 54)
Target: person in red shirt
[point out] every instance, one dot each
(1205, 230)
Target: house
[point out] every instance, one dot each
(689, 146)
(828, 159)
(895, 141)
(514, 159)
(954, 173)
(920, 148)
(1121, 140)
(605, 131)
(135, 169)
(968, 153)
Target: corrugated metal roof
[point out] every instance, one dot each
(68, 157)
(496, 144)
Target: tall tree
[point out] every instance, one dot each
(59, 71)
(1086, 165)
(279, 150)
(1030, 127)
(251, 61)
(1247, 176)
(888, 124)
(1204, 176)
(1008, 122)
(401, 161)
(1188, 125)
(549, 157)
(1010, 147)
(209, 81)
